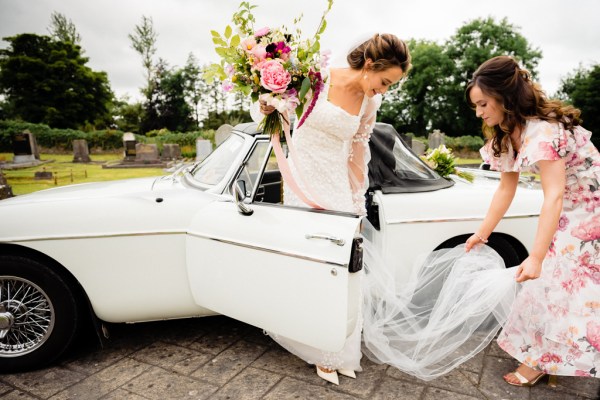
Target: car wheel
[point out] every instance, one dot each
(508, 253)
(39, 316)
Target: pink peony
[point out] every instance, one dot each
(547, 151)
(588, 230)
(563, 222)
(593, 334)
(274, 77)
(262, 32)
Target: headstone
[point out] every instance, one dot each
(418, 147)
(407, 139)
(203, 149)
(129, 143)
(24, 148)
(5, 189)
(222, 133)
(170, 151)
(39, 175)
(81, 152)
(436, 139)
(146, 153)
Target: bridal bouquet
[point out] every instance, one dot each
(274, 65)
(443, 162)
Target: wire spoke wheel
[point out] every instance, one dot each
(26, 316)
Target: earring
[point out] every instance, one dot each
(365, 76)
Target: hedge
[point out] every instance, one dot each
(105, 139)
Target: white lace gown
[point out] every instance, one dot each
(331, 154)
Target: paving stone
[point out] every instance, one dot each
(366, 380)
(542, 392)
(252, 383)
(168, 356)
(46, 382)
(432, 393)
(472, 377)
(92, 362)
(256, 335)
(474, 364)
(186, 331)
(392, 389)
(121, 394)
(219, 338)
(17, 395)
(493, 386)
(495, 350)
(4, 388)
(229, 363)
(158, 384)
(585, 387)
(289, 389)
(105, 381)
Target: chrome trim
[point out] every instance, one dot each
(92, 236)
(249, 246)
(336, 240)
(426, 221)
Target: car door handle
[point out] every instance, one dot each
(338, 241)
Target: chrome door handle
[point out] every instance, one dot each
(338, 241)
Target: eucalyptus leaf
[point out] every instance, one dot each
(304, 88)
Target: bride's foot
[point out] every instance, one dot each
(526, 376)
(347, 372)
(330, 375)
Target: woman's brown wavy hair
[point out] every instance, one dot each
(511, 86)
(385, 50)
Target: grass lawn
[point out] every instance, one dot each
(65, 172)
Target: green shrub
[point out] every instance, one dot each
(472, 143)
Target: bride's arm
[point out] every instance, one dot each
(500, 202)
(360, 154)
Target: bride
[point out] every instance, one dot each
(331, 159)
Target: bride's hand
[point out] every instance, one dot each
(531, 268)
(265, 109)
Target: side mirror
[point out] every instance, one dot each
(238, 189)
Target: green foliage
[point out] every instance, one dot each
(47, 81)
(108, 139)
(443, 162)
(582, 89)
(433, 94)
(472, 143)
(63, 29)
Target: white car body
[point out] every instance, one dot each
(177, 247)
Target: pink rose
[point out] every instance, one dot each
(563, 222)
(588, 230)
(593, 334)
(547, 151)
(262, 32)
(274, 77)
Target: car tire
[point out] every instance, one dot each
(502, 246)
(39, 315)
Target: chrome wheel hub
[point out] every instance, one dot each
(26, 316)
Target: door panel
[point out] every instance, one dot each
(262, 270)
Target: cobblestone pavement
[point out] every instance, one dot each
(220, 358)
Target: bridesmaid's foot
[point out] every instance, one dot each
(526, 376)
(330, 375)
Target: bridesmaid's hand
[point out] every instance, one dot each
(265, 109)
(472, 242)
(531, 268)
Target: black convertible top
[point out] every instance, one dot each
(395, 168)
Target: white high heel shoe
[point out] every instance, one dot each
(328, 376)
(347, 372)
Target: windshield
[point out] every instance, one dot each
(215, 167)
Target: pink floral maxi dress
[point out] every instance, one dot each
(554, 325)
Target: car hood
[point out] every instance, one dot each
(126, 207)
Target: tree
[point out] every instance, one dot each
(582, 89)
(127, 116)
(47, 81)
(474, 43)
(166, 105)
(143, 40)
(63, 29)
(195, 87)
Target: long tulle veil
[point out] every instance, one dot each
(451, 308)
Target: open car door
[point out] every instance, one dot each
(282, 269)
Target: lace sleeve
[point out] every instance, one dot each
(360, 154)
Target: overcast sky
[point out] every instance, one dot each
(567, 33)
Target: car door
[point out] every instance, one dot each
(282, 269)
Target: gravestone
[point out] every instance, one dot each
(5, 189)
(222, 133)
(129, 143)
(24, 148)
(407, 139)
(39, 175)
(418, 147)
(170, 151)
(146, 153)
(81, 152)
(203, 149)
(436, 139)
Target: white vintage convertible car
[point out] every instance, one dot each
(214, 238)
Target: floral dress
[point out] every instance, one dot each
(554, 325)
